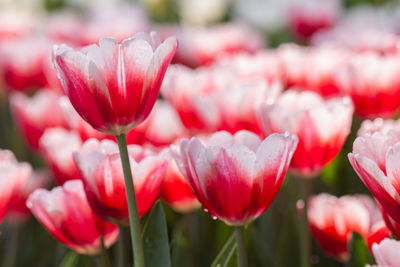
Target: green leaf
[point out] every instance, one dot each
(359, 253)
(225, 253)
(155, 238)
(70, 260)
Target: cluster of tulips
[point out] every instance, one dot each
(119, 127)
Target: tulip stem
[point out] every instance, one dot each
(305, 241)
(134, 222)
(241, 246)
(104, 255)
(121, 248)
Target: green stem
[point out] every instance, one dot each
(134, 222)
(241, 246)
(12, 251)
(305, 241)
(105, 260)
(121, 248)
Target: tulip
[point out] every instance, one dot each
(57, 146)
(33, 115)
(321, 125)
(236, 177)
(65, 213)
(375, 159)
(17, 211)
(385, 253)
(372, 81)
(176, 191)
(114, 86)
(308, 17)
(100, 168)
(23, 63)
(333, 220)
(13, 174)
(380, 125)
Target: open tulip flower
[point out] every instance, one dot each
(333, 220)
(65, 213)
(57, 146)
(375, 159)
(321, 125)
(13, 174)
(114, 86)
(386, 253)
(101, 172)
(228, 166)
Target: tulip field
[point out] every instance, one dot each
(192, 133)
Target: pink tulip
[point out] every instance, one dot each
(375, 159)
(333, 220)
(203, 46)
(162, 128)
(15, 25)
(13, 174)
(17, 211)
(308, 17)
(65, 213)
(236, 177)
(57, 146)
(321, 125)
(101, 172)
(33, 115)
(176, 191)
(114, 86)
(23, 62)
(386, 253)
(380, 125)
(373, 82)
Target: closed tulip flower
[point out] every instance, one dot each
(65, 213)
(101, 172)
(114, 86)
(321, 125)
(236, 177)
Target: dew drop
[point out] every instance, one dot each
(205, 210)
(214, 217)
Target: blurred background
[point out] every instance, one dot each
(208, 31)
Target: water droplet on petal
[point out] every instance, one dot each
(214, 217)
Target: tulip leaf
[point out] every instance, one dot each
(155, 238)
(225, 253)
(359, 253)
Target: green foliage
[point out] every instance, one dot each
(359, 252)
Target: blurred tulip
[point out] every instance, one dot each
(375, 159)
(202, 13)
(65, 213)
(162, 128)
(15, 25)
(385, 253)
(22, 63)
(333, 220)
(100, 168)
(114, 86)
(57, 146)
(175, 189)
(17, 210)
(13, 174)
(373, 83)
(33, 115)
(202, 46)
(307, 17)
(236, 177)
(322, 127)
